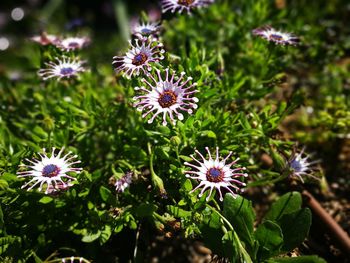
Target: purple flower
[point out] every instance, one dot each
(215, 173)
(167, 96)
(63, 68)
(124, 182)
(50, 171)
(300, 165)
(139, 57)
(278, 37)
(181, 5)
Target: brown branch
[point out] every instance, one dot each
(331, 226)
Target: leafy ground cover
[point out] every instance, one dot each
(260, 116)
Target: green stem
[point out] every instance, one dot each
(244, 256)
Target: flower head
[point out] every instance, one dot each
(51, 171)
(300, 165)
(215, 173)
(63, 68)
(124, 182)
(73, 43)
(45, 39)
(74, 260)
(278, 37)
(145, 30)
(167, 96)
(139, 57)
(181, 5)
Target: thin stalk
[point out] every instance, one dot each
(244, 254)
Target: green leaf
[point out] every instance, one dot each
(5, 243)
(105, 193)
(212, 233)
(2, 222)
(209, 134)
(270, 238)
(3, 184)
(230, 247)
(295, 228)
(287, 203)
(105, 234)
(302, 259)
(90, 237)
(178, 212)
(46, 200)
(240, 214)
(144, 210)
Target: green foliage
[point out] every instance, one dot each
(255, 98)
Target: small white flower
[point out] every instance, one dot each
(63, 68)
(278, 37)
(45, 39)
(73, 43)
(167, 97)
(50, 171)
(301, 166)
(181, 5)
(215, 173)
(145, 30)
(139, 57)
(124, 182)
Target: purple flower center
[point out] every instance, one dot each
(185, 2)
(73, 44)
(66, 71)
(139, 59)
(296, 165)
(215, 175)
(167, 99)
(146, 31)
(276, 37)
(50, 170)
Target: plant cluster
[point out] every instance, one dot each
(81, 167)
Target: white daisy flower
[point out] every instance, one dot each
(50, 171)
(278, 37)
(145, 30)
(45, 39)
(124, 182)
(73, 43)
(63, 68)
(139, 57)
(181, 5)
(215, 173)
(167, 97)
(300, 165)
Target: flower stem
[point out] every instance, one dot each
(244, 256)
